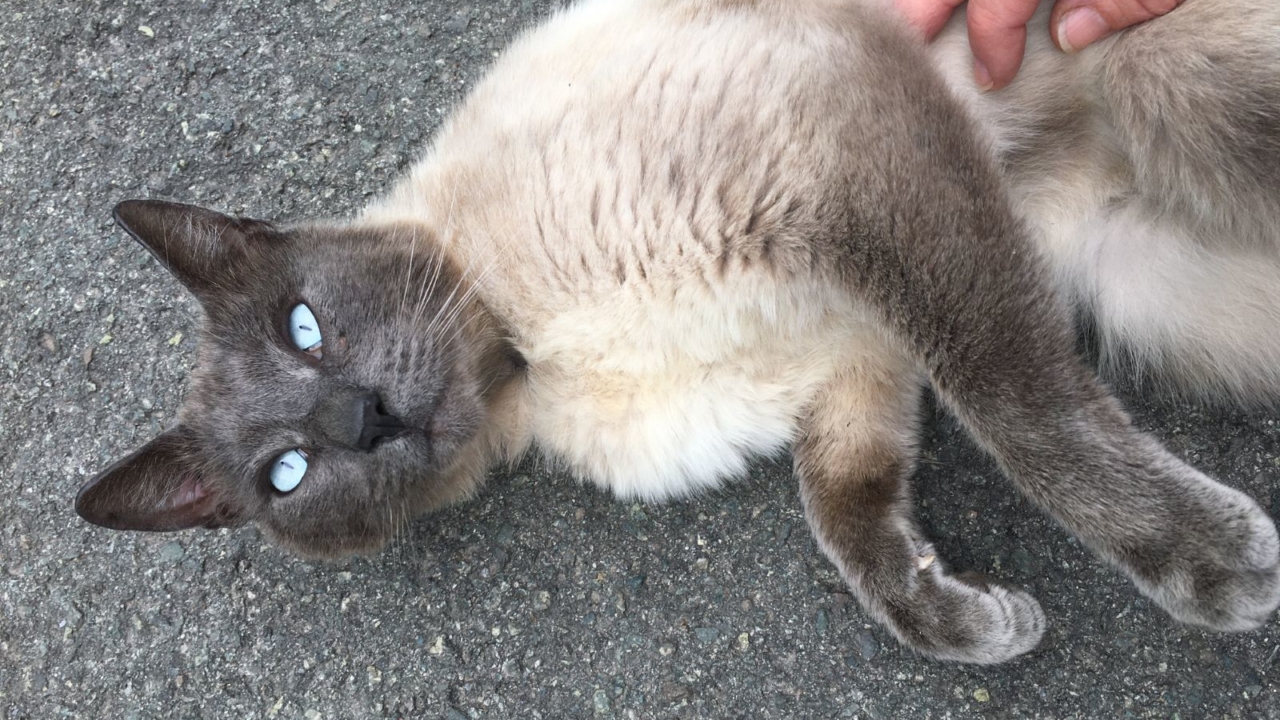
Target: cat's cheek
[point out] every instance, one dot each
(454, 424)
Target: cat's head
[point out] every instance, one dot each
(341, 388)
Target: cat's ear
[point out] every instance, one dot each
(161, 486)
(198, 246)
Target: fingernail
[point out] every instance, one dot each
(1080, 28)
(982, 76)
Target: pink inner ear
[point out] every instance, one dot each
(160, 487)
(191, 505)
(191, 492)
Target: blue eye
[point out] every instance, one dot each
(304, 331)
(287, 470)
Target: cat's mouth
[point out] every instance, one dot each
(406, 433)
(381, 440)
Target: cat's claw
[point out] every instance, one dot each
(1225, 572)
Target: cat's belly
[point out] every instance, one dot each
(659, 398)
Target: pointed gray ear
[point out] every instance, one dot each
(160, 487)
(198, 246)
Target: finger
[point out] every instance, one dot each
(1079, 23)
(998, 35)
(927, 16)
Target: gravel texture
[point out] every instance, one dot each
(542, 599)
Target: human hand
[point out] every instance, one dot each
(998, 28)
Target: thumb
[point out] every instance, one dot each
(1079, 23)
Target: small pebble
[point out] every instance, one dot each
(868, 646)
(145, 30)
(171, 552)
(981, 695)
(600, 701)
(1024, 562)
(706, 634)
(458, 22)
(506, 535)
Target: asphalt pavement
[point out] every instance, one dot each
(541, 599)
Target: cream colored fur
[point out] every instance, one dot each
(605, 393)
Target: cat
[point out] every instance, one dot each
(663, 238)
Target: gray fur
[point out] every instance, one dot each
(765, 210)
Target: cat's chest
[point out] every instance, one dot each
(659, 394)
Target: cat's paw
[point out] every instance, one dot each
(1224, 570)
(966, 618)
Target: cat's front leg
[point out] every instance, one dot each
(853, 458)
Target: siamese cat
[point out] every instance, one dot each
(664, 238)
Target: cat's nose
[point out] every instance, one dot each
(375, 422)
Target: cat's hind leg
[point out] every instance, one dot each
(926, 238)
(853, 457)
